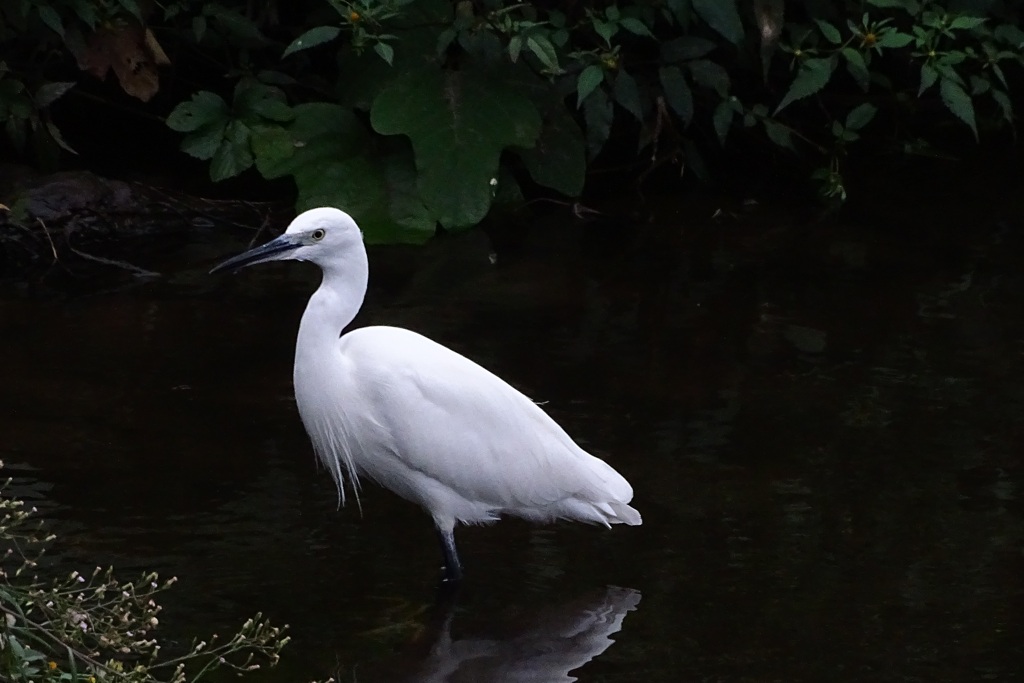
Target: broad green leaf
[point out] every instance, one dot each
(204, 142)
(894, 39)
(203, 109)
(677, 92)
(233, 155)
(1011, 35)
(708, 74)
(635, 26)
(857, 67)
(132, 7)
(559, 159)
(380, 193)
(48, 93)
(1003, 100)
(685, 48)
(830, 32)
(319, 134)
(966, 22)
(606, 29)
(272, 146)
(515, 46)
(778, 133)
(722, 16)
(958, 102)
(236, 25)
(311, 38)
(928, 77)
(814, 73)
(543, 50)
(979, 86)
(911, 6)
(722, 118)
(627, 94)
(48, 15)
(459, 122)
(385, 52)
(590, 78)
(598, 112)
(272, 109)
(860, 116)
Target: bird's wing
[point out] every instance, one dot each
(448, 418)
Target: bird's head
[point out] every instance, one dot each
(321, 236)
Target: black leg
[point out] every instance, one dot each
(452, 566)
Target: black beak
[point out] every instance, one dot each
(271, 251)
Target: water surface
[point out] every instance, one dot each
(823, 426)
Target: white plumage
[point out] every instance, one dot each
(420, 419)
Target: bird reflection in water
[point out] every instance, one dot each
(546, 647)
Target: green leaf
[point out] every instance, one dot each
(272, 146)
(708, 74)
(722, 118)
(233, 155)
(204, 142)
(1003, 100)
(685, 48)
(894, 39)
(132, 7)
(627, 94)
(48, 15)
(778, 133)
(204, 108)
(318, 134)
(722, 16)
(860, 116)
(543, 50)
(910, 6)
(239, 28)
(1011, 35)
(590, 78)
(58, 138)
(559, 159)
(48, 93)
(928, 77)
(606, 30)
(677, 92)
(857, 67)
(312, 38)
(272, 109)
(636, 27)
(814, 73)
(379, 192)
(386, 52)
(966, 22)
(459, 122)
(598, 112)
(830, 32)
(959, 103)
(515, 46)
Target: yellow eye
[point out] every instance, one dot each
(318, 234)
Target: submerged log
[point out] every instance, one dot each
(73, 217)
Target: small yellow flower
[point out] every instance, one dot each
(870, 39)
(53, 665)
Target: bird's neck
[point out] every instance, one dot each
(332, 307)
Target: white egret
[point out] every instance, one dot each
(420, 419)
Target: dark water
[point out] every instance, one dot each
(824, 427)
